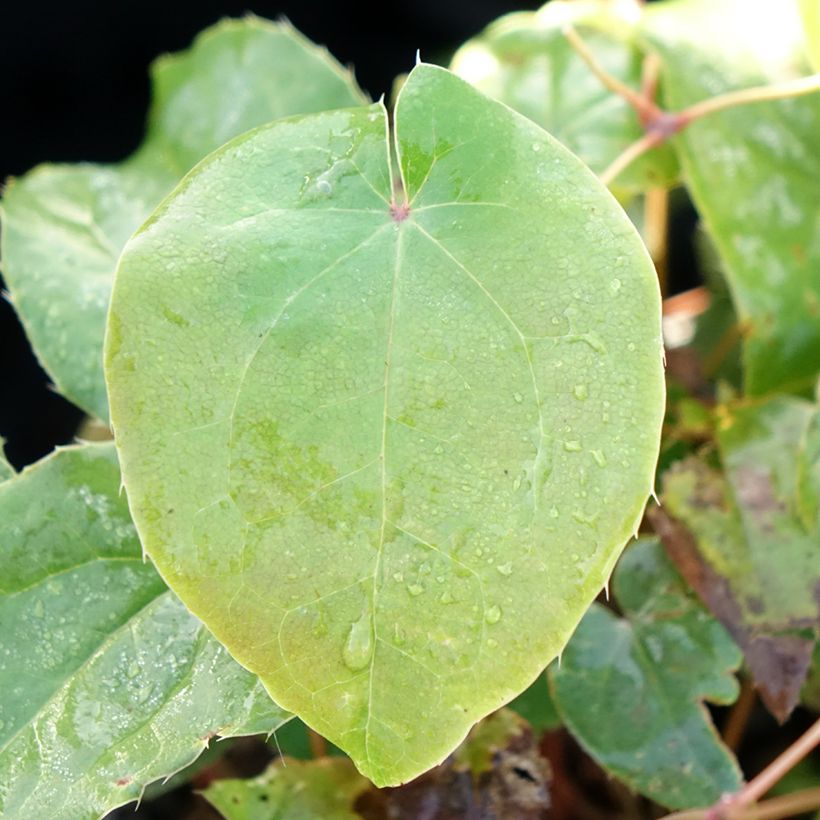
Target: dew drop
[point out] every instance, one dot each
(615, 285)
(580, 392)
(600, 458)
(553, 511)
(518, 398)
(39, 609)
(415, 589)
(323, 187)
(505, 569)
(536, 146)
(446, 597)
(631, 346)
(359, 644)
(493, 614)
(398, 577)
(572, 446)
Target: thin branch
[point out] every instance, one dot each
(781, 765)
(735, 725)
(650, 76)
(762, 93)
(650, 140)
(641, 104)
(318, 745)
(777, 808)
(656, 231)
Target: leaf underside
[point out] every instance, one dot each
(108, 682)
(64, 226)
(388, 454)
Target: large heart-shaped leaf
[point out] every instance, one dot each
(526, 61)
(65, 225)
(388, 451)
(752, 171)
(108, 681)
(630, 688)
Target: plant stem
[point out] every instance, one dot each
(759, 785)
(778, 808)
(656, 231)
(739, 716)
(318, 745)
(738, 806)
(761, 93)
(659, 124)
(647, 142)
(642, 105)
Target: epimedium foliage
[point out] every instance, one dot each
(418, 371)
(387, 403)
(65, 225)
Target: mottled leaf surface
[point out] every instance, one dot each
(108, 682)
(630, 689)
(325, 788)
(526, 61)
(752, 171)
(747, 544)
(389, 453)
(65, 225)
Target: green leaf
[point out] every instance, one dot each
(752, 171)
(295, 789)
(63, 226)
(630, 688)
(810, 12)
(409, 441)
(108, 682)
(526, 61)
(747, 544)
(537, 707)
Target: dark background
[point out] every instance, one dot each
(75, 87)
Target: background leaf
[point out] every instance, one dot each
(408, 442)
(738, 538)
(630, 688)
(108, 682)
(6, 470)
(752, 172)
(810, 11)
(63, 226)
(294, 789)
(526, 61)
(536, 706)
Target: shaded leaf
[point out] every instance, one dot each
(752, 171)
(294, 789)
(630, 689)
(497, 772)
(459, 400)
(65, 225)
(108, 682)
(536, 706)
(525, 60)
(738, 539)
